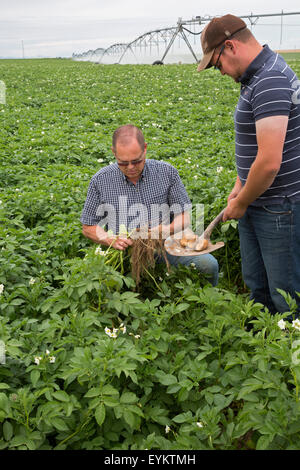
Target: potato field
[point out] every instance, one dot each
(88, 359)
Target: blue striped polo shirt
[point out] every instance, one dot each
(112, 200)
(269, 87)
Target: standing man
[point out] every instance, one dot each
(137, 192)
(266, 195)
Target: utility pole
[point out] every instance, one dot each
(23, 55)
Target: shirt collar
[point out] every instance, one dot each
(256, 64)
(144, 172)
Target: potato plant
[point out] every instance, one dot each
(89, 359)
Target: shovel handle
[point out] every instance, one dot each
(212, 225)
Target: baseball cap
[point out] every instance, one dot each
(215, 33)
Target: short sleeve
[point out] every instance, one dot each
(178, 198)
(272, 96)
(93, 201)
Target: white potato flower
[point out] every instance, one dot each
(99, 251)
(281, 324)
(111, 334)
(296, 324)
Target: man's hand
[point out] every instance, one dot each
(234, 210)
(99, 235)
(119, 243)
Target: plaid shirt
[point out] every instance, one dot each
(112, 200)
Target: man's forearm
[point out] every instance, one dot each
(95, 233)
(236, 189)
(98, 235)
(260, 178)
(179, 223)
(270, 137)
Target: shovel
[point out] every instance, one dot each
(172, 244)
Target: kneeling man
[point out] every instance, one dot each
(136, 192)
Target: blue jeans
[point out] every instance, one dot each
(205, 264)
(270, 252)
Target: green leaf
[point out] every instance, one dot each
(294, 428)
(4, 386)
(34, 376)
(166, 379)
(7, 431)
(193, 298)
(229, 430)
(111, 401)
(181, 307)
(100, 414)
(59, 424)
(4, 403)
(173, 388)
(61, 396)
(17, 302)
(109, 390)
(93, 392)
(129, 418)
(128, 397)
(264, 442)
(21, 441)
(18, 441)
(183, 417)
(250, 385)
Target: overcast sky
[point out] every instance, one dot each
(57, 28)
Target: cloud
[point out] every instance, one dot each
(59, 28)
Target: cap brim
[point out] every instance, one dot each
(205, 62)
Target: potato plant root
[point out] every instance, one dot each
(143, 254)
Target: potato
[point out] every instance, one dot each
(183, 242)
(201, 245)
(191, 244)
(188, 240)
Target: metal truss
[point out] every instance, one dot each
(166, 36)
(149, 40)
(90, 55)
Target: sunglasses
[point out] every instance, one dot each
(217, 66)
(133, 162)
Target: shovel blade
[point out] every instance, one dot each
(173, 247)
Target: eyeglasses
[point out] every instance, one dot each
(133, 162)
(217, 66)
